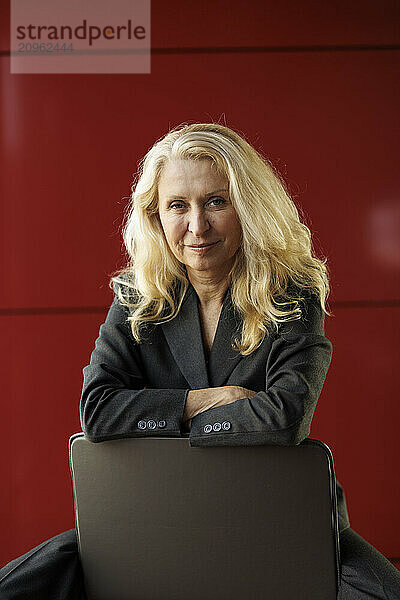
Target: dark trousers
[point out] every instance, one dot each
(52, 571)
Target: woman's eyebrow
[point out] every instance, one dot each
(216, 192)
(176, 197)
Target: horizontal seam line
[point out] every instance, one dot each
(264, 49)
(8, 312)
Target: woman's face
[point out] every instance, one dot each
(199, 222)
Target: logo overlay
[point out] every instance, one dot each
(95, 36)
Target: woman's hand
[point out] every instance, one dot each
(200, 400)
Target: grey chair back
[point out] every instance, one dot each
(158, 519)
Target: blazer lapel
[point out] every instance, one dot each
(223, 359)
(184, 338)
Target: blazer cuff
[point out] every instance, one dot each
(238, 424)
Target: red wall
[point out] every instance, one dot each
(312, 85)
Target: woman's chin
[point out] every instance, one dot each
(215, 266)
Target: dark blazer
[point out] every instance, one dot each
(135, 389)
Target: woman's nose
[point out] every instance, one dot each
(198, 222)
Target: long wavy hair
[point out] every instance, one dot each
(276, 246)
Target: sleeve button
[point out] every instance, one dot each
(142, 424)
(161, 424)
(217, 426)
(151, 424)
(226, 425)
(207, 428)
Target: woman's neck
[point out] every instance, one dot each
(210, 289)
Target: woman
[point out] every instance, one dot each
(216, 331)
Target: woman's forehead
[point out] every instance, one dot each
(188, 172)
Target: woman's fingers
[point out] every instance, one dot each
(199, 401)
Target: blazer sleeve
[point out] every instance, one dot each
(280, 414)
(115, 402)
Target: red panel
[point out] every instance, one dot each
(269, 23)
(263, 23)
(41, 388)
(358, 417)
(72, 144)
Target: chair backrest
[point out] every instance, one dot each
(158, 519)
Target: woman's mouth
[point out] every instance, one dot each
(202, 248)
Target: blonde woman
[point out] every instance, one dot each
(216, 332)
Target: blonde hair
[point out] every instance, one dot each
(276, 246)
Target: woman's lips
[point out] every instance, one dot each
(202, 248)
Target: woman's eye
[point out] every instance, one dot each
(214, 201)
(217, 200)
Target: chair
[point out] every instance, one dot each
(158, 519)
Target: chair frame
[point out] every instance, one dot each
(307, 442)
